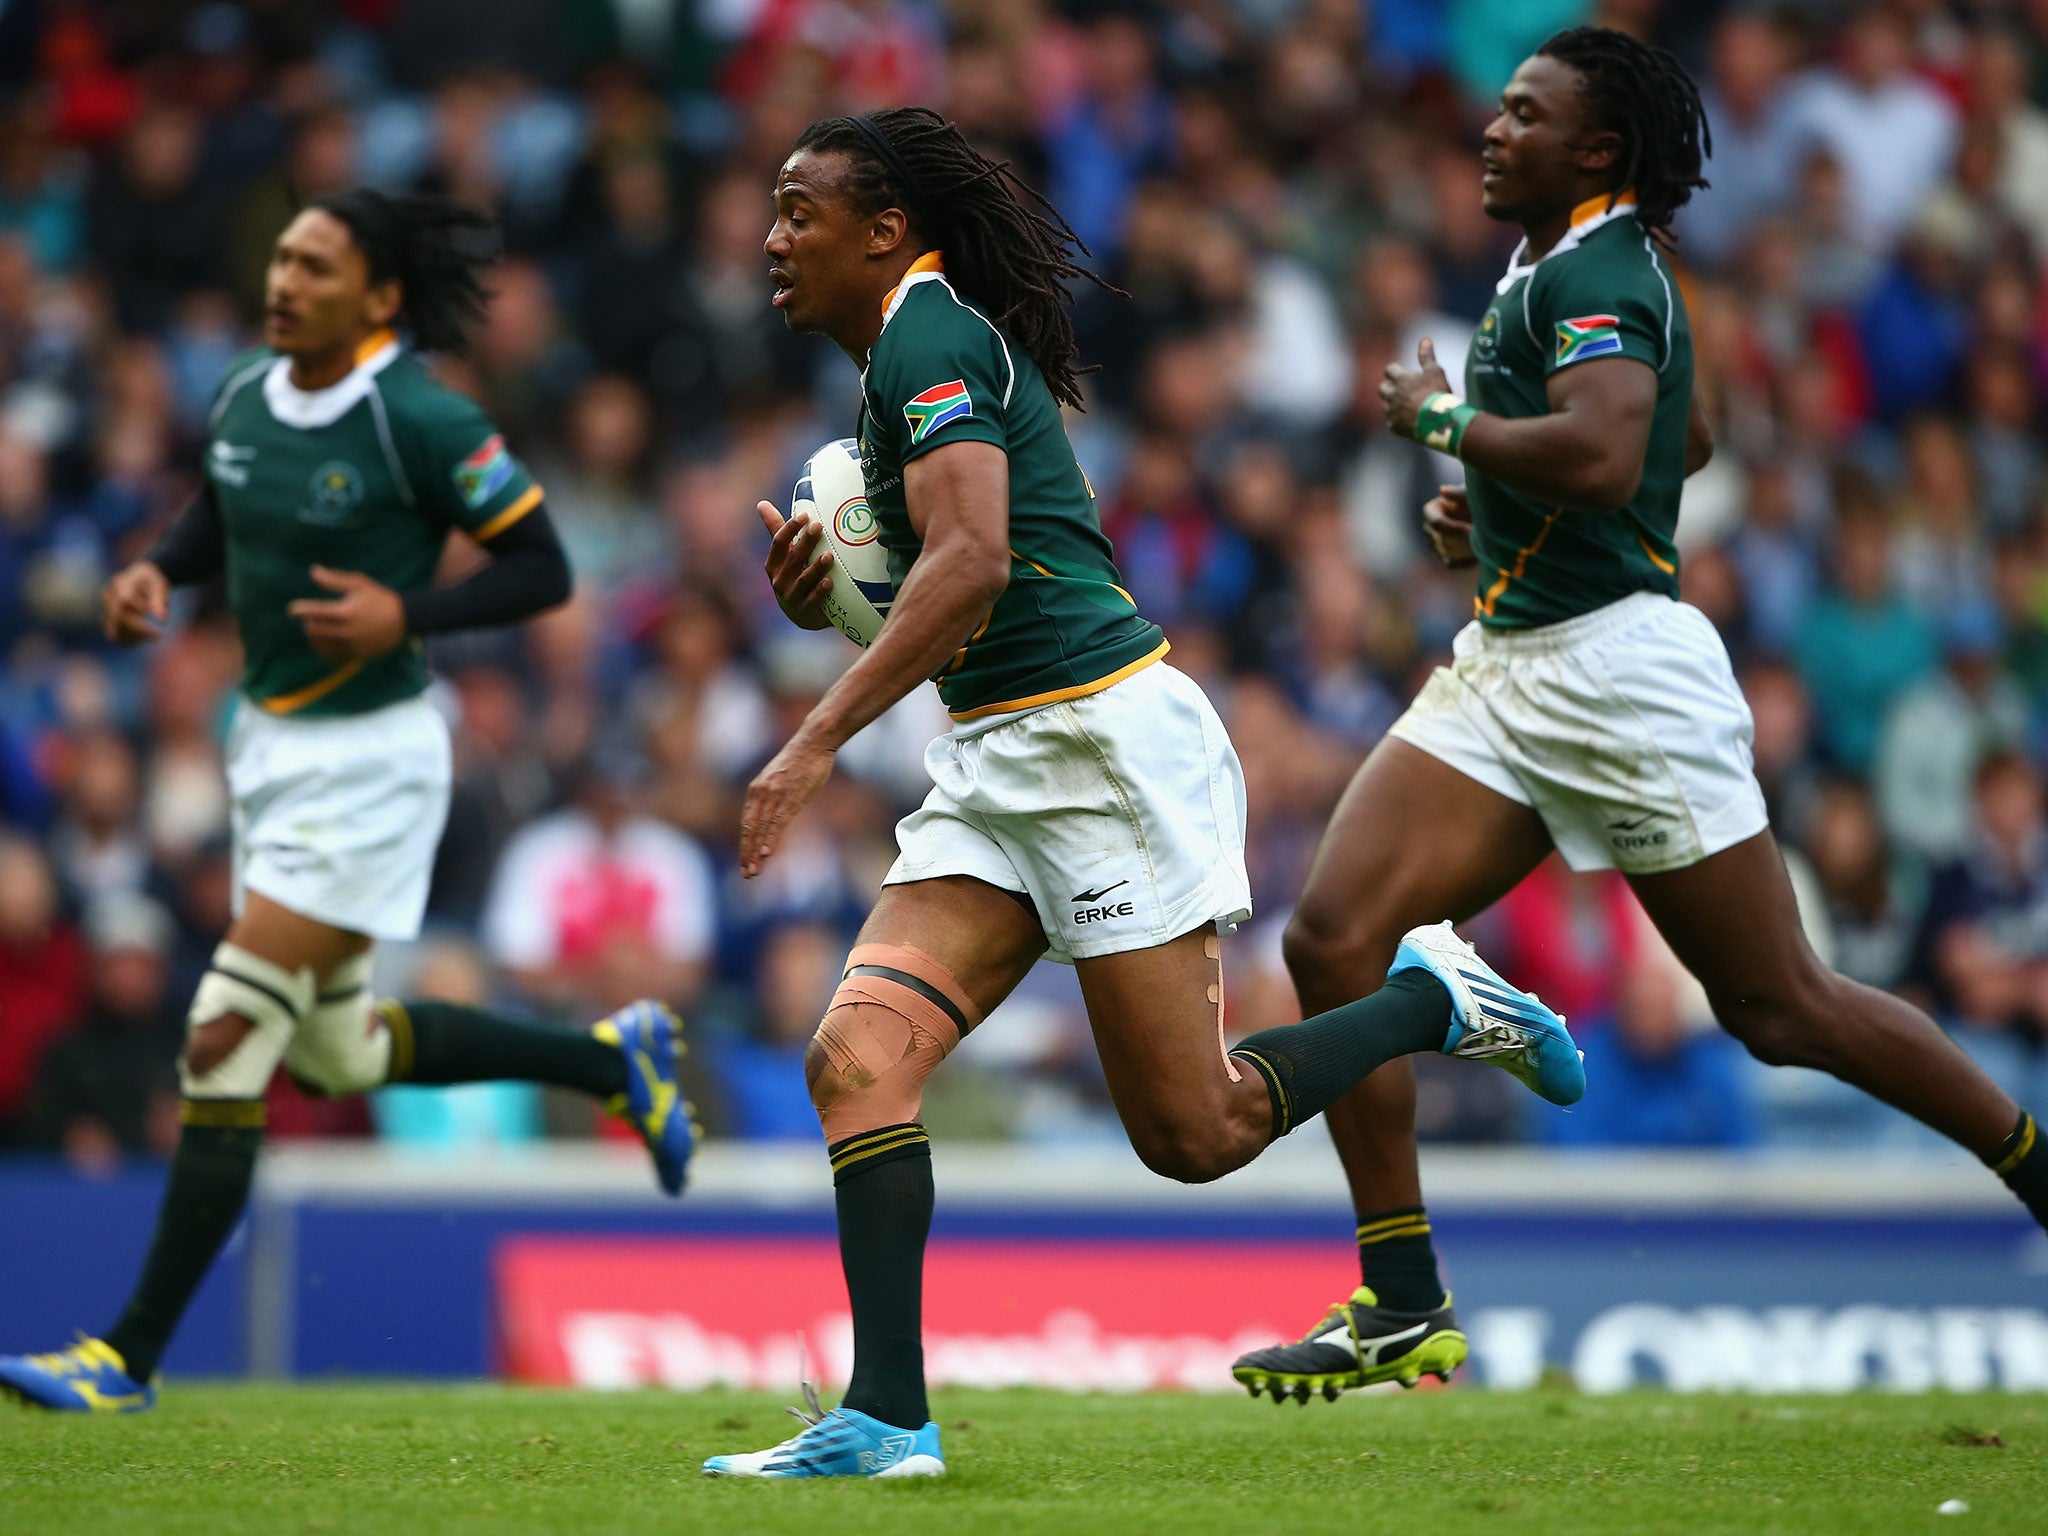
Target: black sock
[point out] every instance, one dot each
(2022, 1161)
(882, 1183)
(448, 1043)
(1311, 1065)
(1397, 1261)
(208, 1187)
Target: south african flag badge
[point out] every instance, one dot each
(938, 405)
(484, 472)
(1588, 336)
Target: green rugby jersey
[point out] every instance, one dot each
(366, 475)
(942, 373)
(1605, 290)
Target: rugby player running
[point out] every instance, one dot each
(1586, 708)
(1086, 803)
(336, 471)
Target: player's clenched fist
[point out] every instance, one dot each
(800, 583)
(134, 602)
(1447, 519)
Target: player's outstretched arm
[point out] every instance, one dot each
(959, 502)
(1587, 452)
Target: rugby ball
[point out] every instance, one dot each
(832, 494)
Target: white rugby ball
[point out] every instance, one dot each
(832, 493)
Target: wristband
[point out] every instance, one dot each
(1442, 421)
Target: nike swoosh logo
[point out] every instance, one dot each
(1630, 826)
(1098, 895)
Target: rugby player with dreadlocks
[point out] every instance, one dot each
(337, 471)
(1087, 803)
(1586, 708)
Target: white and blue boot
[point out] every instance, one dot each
(842, 1443)
(1493, 1020)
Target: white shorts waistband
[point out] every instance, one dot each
(1622, 614)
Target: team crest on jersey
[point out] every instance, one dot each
(1487, 341)
(855, 523)
(335, 490)
(484, 473)
(1588, 336)
(938, 405)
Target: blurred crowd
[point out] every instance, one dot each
(1288, 191)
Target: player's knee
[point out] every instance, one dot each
(208, 1045)
(1320, 942)
(242, 1017)
(1184, 1151)
(895, 1017)
(343, 1047)
(1789, 1024)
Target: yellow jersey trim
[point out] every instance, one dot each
(930, 261)
(372, 344)
(287, 703)
(1594, 207)
(510, 515)
(1656, 559)
(1061, 695)
(1483, 606)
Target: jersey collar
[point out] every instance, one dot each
(304, 408)
(932, 264)
(1587, 217)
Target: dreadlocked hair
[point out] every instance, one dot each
(1642, 93)
(436, 250)
(1006, 247)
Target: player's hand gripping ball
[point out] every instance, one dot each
(832, 495)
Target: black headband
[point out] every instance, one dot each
(878, 141)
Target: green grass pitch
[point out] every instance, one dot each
(366, 1460)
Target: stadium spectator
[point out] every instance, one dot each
(1875, 901)
(1987, 913)
(1940, 730)
(109, 1088)
(1860, 645)
(43, 977)
(599, 903)
(1892, 131)
(1757, 142)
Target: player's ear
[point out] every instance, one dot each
(382, 302)
(1597, 151)
(889, 229)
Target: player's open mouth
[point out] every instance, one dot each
(783, 284)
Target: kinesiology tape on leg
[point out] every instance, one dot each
(272, 999)
(896, 1015)
(343, 1047)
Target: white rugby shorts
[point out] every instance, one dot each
(1623, 729)
(338, 817)
(1120, 814)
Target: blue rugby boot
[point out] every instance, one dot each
(87, 1377)
(651, 1037)
(842, 1443)
(1493, 1020)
